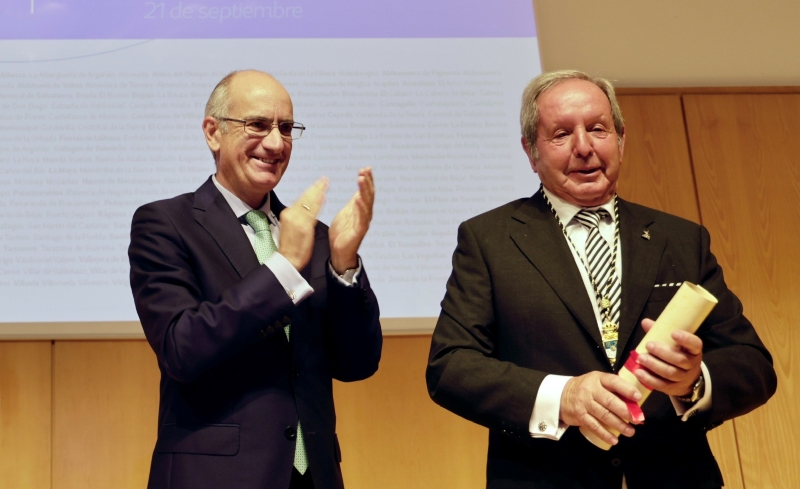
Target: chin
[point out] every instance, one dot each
(594, 191)
(269, 179)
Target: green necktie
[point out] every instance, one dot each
(265, 247)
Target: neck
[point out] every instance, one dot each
(569, 199)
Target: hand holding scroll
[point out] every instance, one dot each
(671, 369)
(672, 350)
(593, 401)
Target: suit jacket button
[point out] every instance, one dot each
(290, 433)
(616, 462)
(295, 372)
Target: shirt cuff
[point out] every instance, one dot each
(686, 410)
(544, 419)
(350, 277)
(293, 283)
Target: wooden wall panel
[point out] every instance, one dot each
(744, 149)
(25, 414)
(656, 167)
(105, 403)
(394, 437)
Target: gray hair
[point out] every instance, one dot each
(529, 113)
(219, 102)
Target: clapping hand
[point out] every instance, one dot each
(298, 222)
(351, 224)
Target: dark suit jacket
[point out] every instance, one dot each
(516, 310)
(232, 386)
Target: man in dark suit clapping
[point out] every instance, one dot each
(252, 307)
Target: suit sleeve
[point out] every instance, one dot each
(189, 334)
(739, 364)
(355, 336)
(463, 376)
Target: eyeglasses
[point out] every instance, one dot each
(262, 127)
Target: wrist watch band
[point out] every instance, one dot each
(698, 390)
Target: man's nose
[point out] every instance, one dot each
(273, 141)
(582, 144)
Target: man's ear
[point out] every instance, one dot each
(213, 133)
(529, 152)
(621, 140)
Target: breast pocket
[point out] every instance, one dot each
(663, 292)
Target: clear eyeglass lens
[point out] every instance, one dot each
(297, 131)
(258, 127)
(285, 128)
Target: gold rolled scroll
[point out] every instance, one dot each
(685, 312)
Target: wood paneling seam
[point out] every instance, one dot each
(52, 407)
(739, 454)
(691, 160)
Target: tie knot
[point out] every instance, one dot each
(591, 218)
(258, 220)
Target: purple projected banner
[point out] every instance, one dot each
(231, 19)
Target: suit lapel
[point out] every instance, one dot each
(215, 215)
(640, 261)
(541, 240)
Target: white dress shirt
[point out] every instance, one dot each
(544, 422)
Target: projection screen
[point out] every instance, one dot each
(102, 105)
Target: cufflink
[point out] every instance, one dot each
(542, 426)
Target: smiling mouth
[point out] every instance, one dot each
(589, 171)
(269, 161)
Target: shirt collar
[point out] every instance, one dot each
(566, 211)
(239, 207)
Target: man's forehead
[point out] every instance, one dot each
(256, 92)
(571, 95)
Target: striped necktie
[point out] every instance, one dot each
(602, 271)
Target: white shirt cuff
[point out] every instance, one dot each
(293, 283)
(350, 277)
(686, 410)
(544, 419)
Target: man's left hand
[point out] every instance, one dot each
(351, 224)
(672, 370)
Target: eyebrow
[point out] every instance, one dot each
(260, 118)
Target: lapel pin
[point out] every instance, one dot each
(646, 234)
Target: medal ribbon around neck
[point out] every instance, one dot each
(610, 329)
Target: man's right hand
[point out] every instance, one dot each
(593, 400)
(298, 222)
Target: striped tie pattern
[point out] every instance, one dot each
(600, 262)
(265, 247)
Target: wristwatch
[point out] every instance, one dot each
(698, 390)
